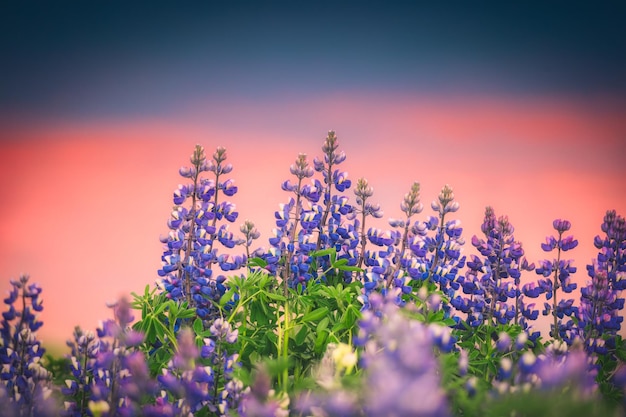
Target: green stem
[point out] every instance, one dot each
(242, 303)
(494, 295)
(401, 253)
(328, 195)
(182, 273)
(363, 237)
(285, 352)
(555, 286)
(84, 383)
(433, 267)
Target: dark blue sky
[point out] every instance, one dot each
(81, 60)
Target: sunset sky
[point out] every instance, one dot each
(519, 107)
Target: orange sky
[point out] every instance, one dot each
(84, 202)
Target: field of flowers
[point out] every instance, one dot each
(335, 317)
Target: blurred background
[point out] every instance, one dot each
(517, 106)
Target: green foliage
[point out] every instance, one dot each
(607, 366)
(480, 343)
(160, 319)
(290, 331)
(537, 403)
(59, 367)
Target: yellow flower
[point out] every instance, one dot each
(98, 408)
(344, 357)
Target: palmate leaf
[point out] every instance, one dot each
(186, 313)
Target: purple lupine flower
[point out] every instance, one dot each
(560, 270)
(412, 253)
(312, 220)
(84, 352)
(24, 382)
(494, 279)
(301, 169)
(333, 230)
(109, 372)
(199, 378)
(261, 401)
(286, 235)
(566, 369)
(363, 192)
(503, 344)
(402, 256)
(191, 246)
(601, 301)
(191, 385)
(250, 234)
(400, 366)
(442, 260)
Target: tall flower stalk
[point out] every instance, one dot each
(601, 301)
(23, 380)
(560, 270)
(287, 258)
(365, 208)
(501, 262)
(190, 248)
(109, 374)
(410, 206)
(333, 179)
(443, 258)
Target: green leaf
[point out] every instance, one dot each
(315, 315)
(274, 296)
(226, 297)
(323, 324)
(159, 330)
(322, 252)
(338, 326)
(258, 262)
(620, 353)
(449, 322)
(349, 268)
(197, 326)
(301, 335)
(172, 308)
(160, 308)
(150, 332)
(139, 326)
(340, 262)
(187, 313)
(271, 336)
(320, 340)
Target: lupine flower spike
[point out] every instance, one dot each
(601, 301)
(495, 277)
(24, 382)
(561, 271)
(190, 248)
